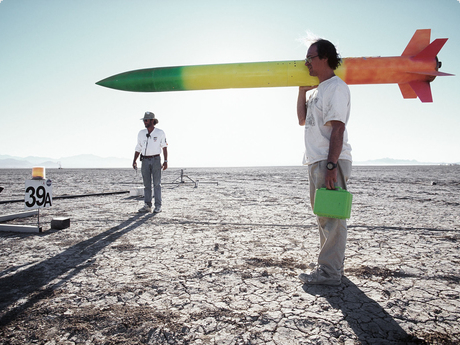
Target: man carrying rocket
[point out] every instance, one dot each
(327, 153)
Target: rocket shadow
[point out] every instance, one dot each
(369, 321)
(32, 283)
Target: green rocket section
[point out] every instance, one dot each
(146, 80)
(205, 77)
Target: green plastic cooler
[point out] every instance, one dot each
(333, 203)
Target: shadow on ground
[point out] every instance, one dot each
(31, 283)
(368, 320)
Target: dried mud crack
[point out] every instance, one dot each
(220, 264)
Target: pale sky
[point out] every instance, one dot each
(52, 52)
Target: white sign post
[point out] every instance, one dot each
(39, 194)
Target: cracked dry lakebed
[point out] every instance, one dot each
(220, 264)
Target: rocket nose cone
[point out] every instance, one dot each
(104, 82)
(138, 81)
(120, 81)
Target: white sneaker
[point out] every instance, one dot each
(157, 210)
(146, 208)
(317, 277)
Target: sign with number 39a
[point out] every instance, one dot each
(38, 194)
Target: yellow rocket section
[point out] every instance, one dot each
(247, 75)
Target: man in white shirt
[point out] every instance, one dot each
(327, 153)
(151, 141)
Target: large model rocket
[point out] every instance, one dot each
(412, 71)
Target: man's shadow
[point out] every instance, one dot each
(368, 320)
(30, 283)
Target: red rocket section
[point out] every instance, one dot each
(412, 71)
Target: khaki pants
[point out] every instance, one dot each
(332, 232)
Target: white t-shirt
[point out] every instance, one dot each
(330, 101)
(152, 145)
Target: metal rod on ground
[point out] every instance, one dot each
(38, 221)
(7, 217)
(181, 177)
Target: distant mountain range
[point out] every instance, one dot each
(92, 161)
(391, 161)
(80, 161)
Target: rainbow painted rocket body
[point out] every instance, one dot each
(412, 71)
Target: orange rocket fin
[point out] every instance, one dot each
(431, 50)
(414, 89)
(434, 74)
(407, 91)
(418, 42)
(420, 48)
(422, 89)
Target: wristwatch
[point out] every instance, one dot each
(331, 166)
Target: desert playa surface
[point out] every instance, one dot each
(220, 264)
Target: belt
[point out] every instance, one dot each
(152, 156)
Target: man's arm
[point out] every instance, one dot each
(301, 100)
(165, 155)
(136, 155)
(335, 148)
